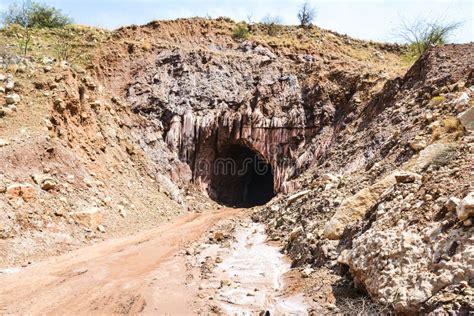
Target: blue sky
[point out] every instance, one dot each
(365, 19)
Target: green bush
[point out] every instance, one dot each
(241, 31)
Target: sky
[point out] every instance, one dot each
(364, 19)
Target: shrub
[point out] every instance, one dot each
(437, 100)
(306, 15)
(241, 31)
(450, 129)
(146, 45)
(225, 19)
(272, 24)
(422, 35)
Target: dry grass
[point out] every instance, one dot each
(80, 41)
(146, 45)
(362, 306)
(450, 129)
(436, 101)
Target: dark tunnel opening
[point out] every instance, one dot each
(241, 178)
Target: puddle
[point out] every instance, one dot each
(250, 277)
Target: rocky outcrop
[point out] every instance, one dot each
(207, 100)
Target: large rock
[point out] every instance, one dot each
(436, 154)
(407, 177)
(46, 182)
(12, 98)
(4, 142)
(90, 217)
(465, 209)
(23, 191)
(330, 181)
(452, 203)
(403, 267)
(355, 207)
(297, 196)
(467, 118)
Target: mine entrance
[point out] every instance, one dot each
(241, 178)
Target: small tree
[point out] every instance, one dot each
(35, 15)
(306, 15)
(422, 35)
(272, 24)
(30, 15)
(241, 31)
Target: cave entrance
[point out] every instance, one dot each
(241, 178)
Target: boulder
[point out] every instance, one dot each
(462, 100)
(9, 85)
(407, 177)
(24, 191)
(4, 142)
(12, 98)
(47, 60)
(90, 217)
(452, 203)
(297, 196)
(465, 209)
(46, 182)
(418, 145)
(355, 207)
(467, 118)
(101, 228)
(330, 181)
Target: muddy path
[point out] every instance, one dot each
(147, 273)
(111, 277)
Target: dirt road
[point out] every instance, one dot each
(129, 275)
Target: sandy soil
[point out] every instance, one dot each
(128, 275)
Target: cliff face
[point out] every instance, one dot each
(207, 100)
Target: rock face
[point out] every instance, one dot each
(207, 103)
(210, 101)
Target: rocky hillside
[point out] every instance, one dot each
(371, 162)
(207, 93)
(390, 204)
